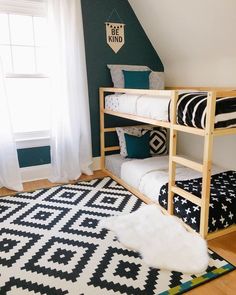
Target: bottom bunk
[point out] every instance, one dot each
(150, 177)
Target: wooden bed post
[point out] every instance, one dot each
(102, 123)
(207, 162)
(172, 150)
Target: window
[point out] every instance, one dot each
(23, 51)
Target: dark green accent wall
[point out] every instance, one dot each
(34, 156)
(137, 50)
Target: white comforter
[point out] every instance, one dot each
(153, 107)
(149, 175)
(150, 106)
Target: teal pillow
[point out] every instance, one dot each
(137, 147)
(136, 79)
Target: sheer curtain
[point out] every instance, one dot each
(70, 135)
(9, 167)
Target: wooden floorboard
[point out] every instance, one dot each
(224, 246)
(44, 183)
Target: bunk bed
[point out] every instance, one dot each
(207, 127)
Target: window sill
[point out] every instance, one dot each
(32, 142)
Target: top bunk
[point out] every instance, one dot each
(184, 108)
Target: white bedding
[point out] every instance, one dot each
(137, 169)
(153, 107)
(149, 175)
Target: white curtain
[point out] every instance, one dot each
(9, 167)
(71, 136)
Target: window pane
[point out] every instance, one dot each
(5, 55)
(29, 103)
(21, 30)
(23, 59)
(42, 60)
(4, 29)
(40, 31)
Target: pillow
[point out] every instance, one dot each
(157, 80)
(117, 74)
(137, 131)
(137, 146)
(157, 140)
(136, 79)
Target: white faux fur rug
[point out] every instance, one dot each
(162, 240)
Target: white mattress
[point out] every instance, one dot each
(113, 163)
(150, 174)
(153, 107)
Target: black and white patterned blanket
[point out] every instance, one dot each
(222, 212)
(191, 110)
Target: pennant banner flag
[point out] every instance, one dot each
(115, 35)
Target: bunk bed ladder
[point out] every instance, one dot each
(204, 168)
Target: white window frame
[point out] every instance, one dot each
(26, 7)
(29, 8)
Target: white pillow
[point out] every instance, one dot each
(117, 74)
(136, 131)
(156, 79)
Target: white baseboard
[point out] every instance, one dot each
(96, 163)
(43, 171)
(35, 172)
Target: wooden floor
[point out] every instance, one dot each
(224, 246)
(33, 185)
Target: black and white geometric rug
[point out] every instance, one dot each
(50, 244)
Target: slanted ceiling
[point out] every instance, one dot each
(196, 40)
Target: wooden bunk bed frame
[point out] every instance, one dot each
(205, 168)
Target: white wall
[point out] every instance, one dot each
(196, 42)
(195, 39)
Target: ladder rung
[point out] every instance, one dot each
(188, 163)
(111, 148)
(190, 197)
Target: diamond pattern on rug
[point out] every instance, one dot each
(16, 286)
(9, 207)
(51, 243)
(105, 200)
(31, 195)
(41, 216)
(67, 195)
(14, 244)
(122, 270)
(90, 184)
(127, 270)
(61, 258)
(85, 223)
(111, 184)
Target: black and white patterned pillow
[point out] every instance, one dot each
(157, 141)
